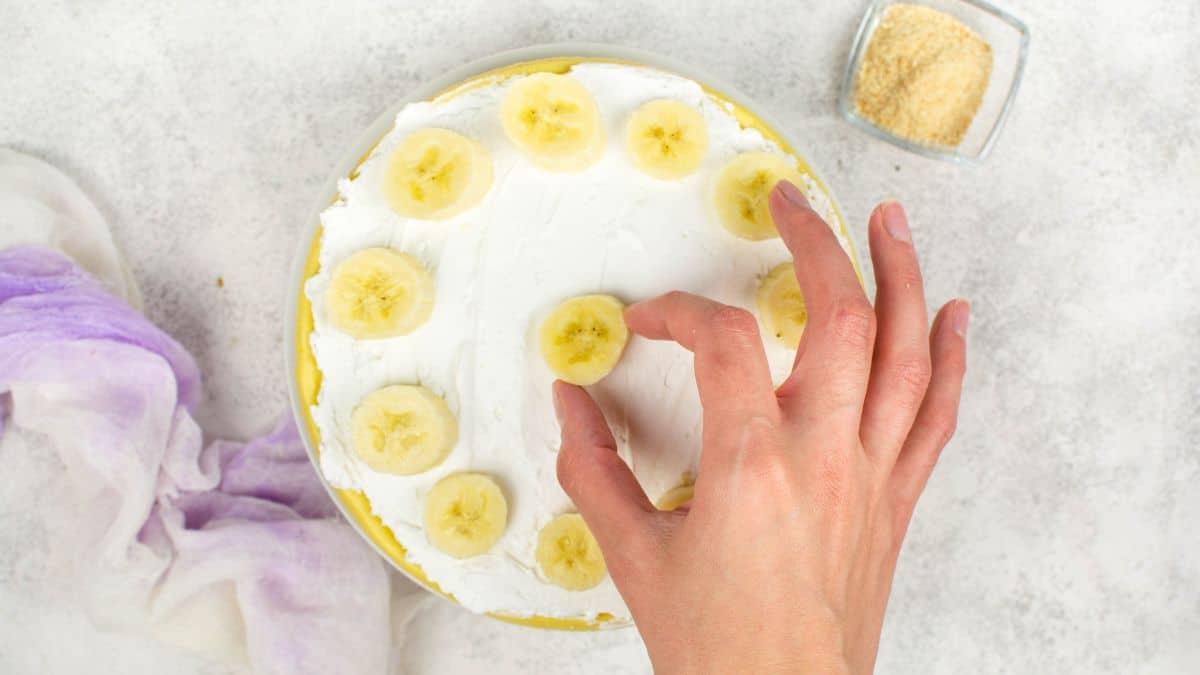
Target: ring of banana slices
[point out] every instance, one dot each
(384, 293)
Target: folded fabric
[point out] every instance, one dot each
(227, 547)
(41, 206)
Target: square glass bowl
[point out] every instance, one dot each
(1009, 38)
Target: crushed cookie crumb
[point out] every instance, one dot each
(923, 75)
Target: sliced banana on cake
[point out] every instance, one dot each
(435, 174)
(667, 139)
(742, 188)
(584, 337)
(568, 555)
(465, 514)
(781, 306)
(555, 121)
(379, 293)
(677, 496)
(403, 429)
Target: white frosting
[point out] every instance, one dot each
(537, 239)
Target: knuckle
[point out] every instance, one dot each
(854, 322)
(943, 422)
(567, 468)
(947, 433)
(760, 435)
(727, 319)
(758, 440)
(911, 374)
(906, 277)
(772, 481)
(573, 468)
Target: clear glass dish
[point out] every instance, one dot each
(1009, 38)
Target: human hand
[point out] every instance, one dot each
(784, 560)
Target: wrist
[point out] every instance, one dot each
(785, 647)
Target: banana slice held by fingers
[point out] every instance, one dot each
(583, 338)
(568, 555)
(403, 429)
(742, 189)
(555, 121)
(667, 139)
(379, 293)
(435, 174)
(675, 497)
(465, 514)
(780, 304)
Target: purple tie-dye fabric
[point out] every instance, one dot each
(170, 535)
(45, 298)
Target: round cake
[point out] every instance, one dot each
(484, 248)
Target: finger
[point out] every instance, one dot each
(731, 366)
(595, 477)
(938, 415)
(900, 369)
(831, 378)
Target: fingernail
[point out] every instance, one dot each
(894, 221)
(792, 194)
(961, 317)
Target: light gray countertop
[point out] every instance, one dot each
(1059, 534)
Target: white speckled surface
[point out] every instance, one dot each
(1059, 533)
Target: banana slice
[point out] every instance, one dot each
(435, 174)
(569, 555)
(781, 305)
(742, 188)
(379, 293)
(403, 429)
(584, 337)
(677, 496)
(667, 139)
(555, 121)
(465, 514)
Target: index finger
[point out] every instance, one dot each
(731, 366)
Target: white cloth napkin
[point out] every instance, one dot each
(39, 205)
(233, 549)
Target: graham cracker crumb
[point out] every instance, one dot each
(923, 75)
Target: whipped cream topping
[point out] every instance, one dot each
(536, 239)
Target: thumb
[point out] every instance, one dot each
(595, 477)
